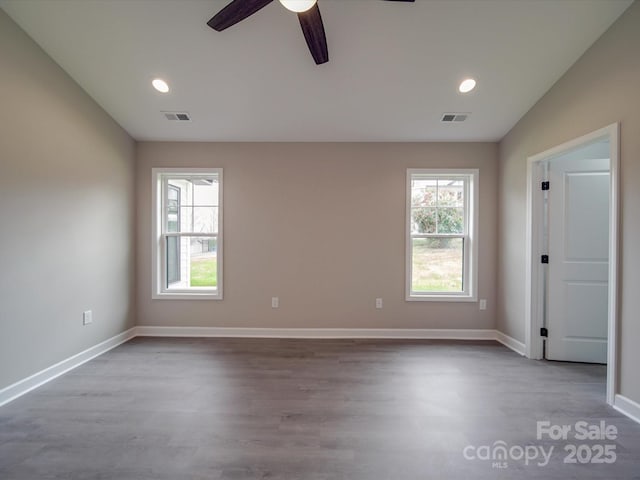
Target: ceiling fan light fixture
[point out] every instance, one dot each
(467, 85)
(298, 5)
(160, 85)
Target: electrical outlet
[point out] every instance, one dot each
(483, 304)
(275, 302)
(87, 317)
(378, 302)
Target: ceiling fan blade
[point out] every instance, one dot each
(235, 12)
(313, 29)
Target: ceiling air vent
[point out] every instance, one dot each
(177, 116)
(454, 117)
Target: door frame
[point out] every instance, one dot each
(534, 297)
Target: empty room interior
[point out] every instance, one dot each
(386, 239)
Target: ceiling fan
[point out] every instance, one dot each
(308, 14)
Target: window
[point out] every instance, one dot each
(187, 245)
(442, 234)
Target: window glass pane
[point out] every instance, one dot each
(173, 260)
(173, 202)
(199, 219)
(173, 208)
(450, 193)
(173, 223)
(197, 263)
(192, 204)
(204, 262)
(423, 220)
(205, 191)
(451, 220)
(437, 265)
(424, 192)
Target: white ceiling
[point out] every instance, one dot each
(393, 70)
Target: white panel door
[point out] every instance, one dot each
(578, 260)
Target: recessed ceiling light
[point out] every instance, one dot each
(467, 85)
(160, 85)
(298, 5)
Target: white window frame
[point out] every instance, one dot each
(159, 290)
(470, 260)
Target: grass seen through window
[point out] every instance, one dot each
(437, 265)
(204, 271)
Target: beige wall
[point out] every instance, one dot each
(601, 88)
(66, 203)
(321, 226)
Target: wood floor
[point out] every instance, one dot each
(306, 409)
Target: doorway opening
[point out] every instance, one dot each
(585, 247)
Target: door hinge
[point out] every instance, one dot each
(545, 186)
(544, 259)
(544, 332)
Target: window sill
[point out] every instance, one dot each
(441, 298)
(187, 296)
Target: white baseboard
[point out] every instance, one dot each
(511, 343)
(25, 385)
(373, 333)
(345, 333)
(627, 407)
